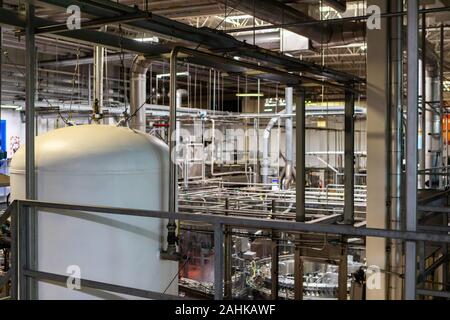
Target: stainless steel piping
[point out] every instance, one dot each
(138, 96)
(289, 138)
(266, 161)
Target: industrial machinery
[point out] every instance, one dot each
(99, 165)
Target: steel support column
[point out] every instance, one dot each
(445, 266)
(349, 174)
(343, 272)
(377, 148)
(300, 189)
(30, 131)
(300, 156)
(228, 244)
(218, 262)
(173, 170)
(395, 259)
(411, 148)
(274, 260)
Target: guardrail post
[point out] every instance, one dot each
(218, 262)
(227, 258)
(14, 262)
(274, 259)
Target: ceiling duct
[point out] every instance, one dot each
(277, 13)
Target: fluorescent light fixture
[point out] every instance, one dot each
(11, 106)
(148, 39)
(165, 75)
(250, 94)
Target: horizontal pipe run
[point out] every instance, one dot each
(248, 222)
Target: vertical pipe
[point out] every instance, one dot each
(274, 260)
(24, 292)
(300, 190)
(444, 163)
(89, 85)
(289, 96)
(349, 158)
(14, 251)
(298, 271)
(30, 174)
(411, 148)
(173, 174)
(423, 118)
(300, 156)
(342, 272)
(30, 100)
(395, 167)
(138, 95)
(227, 257)
(99, 55)
(1, 78)
(218, 262)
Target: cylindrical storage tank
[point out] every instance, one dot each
(105, 166)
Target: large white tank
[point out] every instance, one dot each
(106, 166)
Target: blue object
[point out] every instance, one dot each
(3, 153)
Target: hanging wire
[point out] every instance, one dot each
(6, 54)
(76, 72)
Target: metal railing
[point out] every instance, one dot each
(21, 265)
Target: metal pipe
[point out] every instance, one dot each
(276, 12)
(289, 96)
(138, 96)
(266, 161)
(218, 262)
(349, 174)
(172, 134)
(411, 147)
(396, 129)
(30, 132)
(410, 236)
(423, 92)
(99, 55)
(300, 157)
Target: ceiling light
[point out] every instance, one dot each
(148, 39)
(249, 94)
(165, 75)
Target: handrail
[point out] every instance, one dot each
(20, 260)
(248, 222)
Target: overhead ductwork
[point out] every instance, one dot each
(276, 12)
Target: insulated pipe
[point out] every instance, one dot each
(289, 138)
(138, 97)
(266, 160)
(276, 12)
